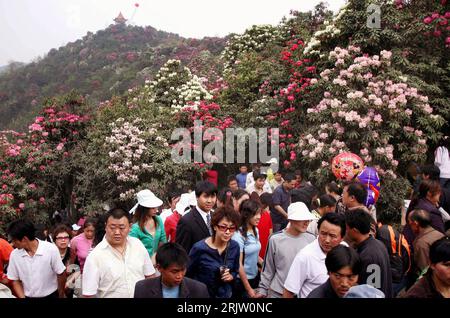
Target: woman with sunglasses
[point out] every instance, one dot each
(214, 261)
(61, 236)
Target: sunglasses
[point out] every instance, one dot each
(224, 228)
(63, 238)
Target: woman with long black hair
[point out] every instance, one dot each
(248, 239)
(148, 226)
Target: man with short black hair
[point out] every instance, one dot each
(172, 199)
(242, 176)
(308, 270)
(171, 262)
(343, 266)
(196, 224)
(354, 197)
(259, 186)
(35, 266)
(376, 267)
(232, 183)
(281, 199)
(277, 180)
(114, 266)
(425, 235)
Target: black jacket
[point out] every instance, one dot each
(373, 252)
(152, 288)
(190, 229)
(323, 291)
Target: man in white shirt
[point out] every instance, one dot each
(35, 266)
(259, 185)
(251, 179)
(308, 270)
(117, 263)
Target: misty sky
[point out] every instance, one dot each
(30, 28)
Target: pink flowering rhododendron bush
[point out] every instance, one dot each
(416, 32)
(367, 109)
(37, 168)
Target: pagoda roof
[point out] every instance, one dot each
(120, 18)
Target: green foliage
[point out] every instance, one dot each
(99, 66)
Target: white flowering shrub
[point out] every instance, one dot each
(174, 86)
(254, 39)
(131, 152)
(330, 31)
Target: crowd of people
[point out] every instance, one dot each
(264, 235)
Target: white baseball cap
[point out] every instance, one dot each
(147, 199)
(298, 211)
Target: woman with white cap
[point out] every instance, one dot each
(148, 226)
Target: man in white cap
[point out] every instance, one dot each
(308, 270)
(282, 248)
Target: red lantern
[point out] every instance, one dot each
(346, 166)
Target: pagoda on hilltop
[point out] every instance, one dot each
(120, 19)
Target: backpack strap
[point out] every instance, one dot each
(405, 244)
(393, 240)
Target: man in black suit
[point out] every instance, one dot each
(196, 224)
(171, 261)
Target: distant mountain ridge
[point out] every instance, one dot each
(99, 66)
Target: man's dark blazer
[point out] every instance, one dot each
(152, 288)
(191, 228)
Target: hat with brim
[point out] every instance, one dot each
(147, 199)
(184, 203)
(192, 198)
(298, 211)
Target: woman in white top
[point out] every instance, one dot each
(442, 161)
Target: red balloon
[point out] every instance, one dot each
(346, 166)
(136, 5)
